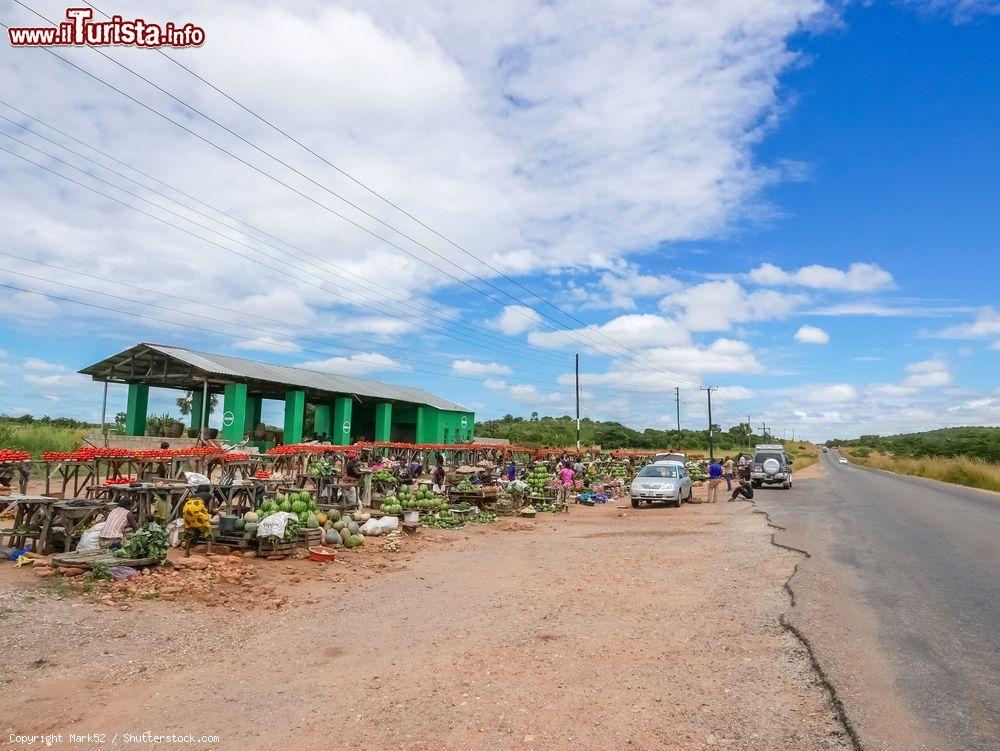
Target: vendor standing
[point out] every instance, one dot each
(511, 471)
(438, 477)
(120, 520)
(353, 474)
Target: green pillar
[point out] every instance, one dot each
(295, 415)
(234, 412)
(427, 425)
(383, 421)
(341, 421)
(196, 401)
(136, 409)
(254, 406)
(321, 425)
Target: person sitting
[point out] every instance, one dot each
(120, 520)
(438, 476)
(744, 489)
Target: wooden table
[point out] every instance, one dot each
(19, 469)
(35, 510)
(142, 497)
(74, 513)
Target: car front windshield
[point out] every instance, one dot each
(661, 472)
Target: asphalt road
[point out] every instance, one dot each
(900, 602)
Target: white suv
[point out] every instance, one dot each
(771, 466)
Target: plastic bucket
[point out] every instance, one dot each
(411, 517)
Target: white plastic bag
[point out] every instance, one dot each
(376, 527)
(89, 540)
(274, 525)
(194, 478)
(175, 532)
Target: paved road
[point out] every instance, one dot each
(900, 602)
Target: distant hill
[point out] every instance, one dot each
(560, 432)
(975, 442)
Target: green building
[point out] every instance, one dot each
(346, 409)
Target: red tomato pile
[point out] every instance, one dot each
(9, 455)
(120, 480)
(263, 474)
(235, 457)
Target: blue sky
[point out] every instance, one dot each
(789, 200)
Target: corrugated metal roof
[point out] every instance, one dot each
(285, 375)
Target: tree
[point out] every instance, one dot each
(185, 402)
(534, 417)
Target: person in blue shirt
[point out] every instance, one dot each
(714, 479)
(511, 471)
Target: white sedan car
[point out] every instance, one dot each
(661, 481)
(843, 460)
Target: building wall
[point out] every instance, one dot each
(444, 426)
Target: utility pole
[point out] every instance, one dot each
(677, 400)
(749, 433)
(578, 403)
(711, 442)
(763, 431)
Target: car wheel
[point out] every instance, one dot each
(676, 503)
(787, 486)
(635, 503)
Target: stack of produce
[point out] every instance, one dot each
(384, 477)
(9, 455)
(344, 531)
(538, 480)
(485, 517)
(443, 519)
(391, 506)
(466, 486)
(423, 499)
(149, 541)
(300, 503)
(695, 471)
(619, 471)
(120, 480)
(320, 468)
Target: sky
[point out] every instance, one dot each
(791, 200)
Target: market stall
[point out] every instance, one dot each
(15, 468)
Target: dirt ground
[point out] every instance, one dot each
(604, 628)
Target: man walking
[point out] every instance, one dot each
(728, 466)
(714, 479)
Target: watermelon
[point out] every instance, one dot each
(303, 517)
(239, 524)
(285, 505)
(298, 506)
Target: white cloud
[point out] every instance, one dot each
(883, 310)
(621, 289)
(928, 374)
(55, 381)
(811, 335)
(355, 365)
(516, 319)
(718, 305)
(834, 393)
(985, 325)
(37, 364)
(635, 330)
(267, 344)
(480, 368)
(859, 277)
(529, 395)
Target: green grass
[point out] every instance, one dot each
(38, 439)
(959, 470)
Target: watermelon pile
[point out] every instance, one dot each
(538, 479)
(300, 503)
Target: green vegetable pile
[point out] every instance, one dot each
(149, 541)
(320, 468)
(465, 486)
(385, 477)
(443, 519)
(485, 518)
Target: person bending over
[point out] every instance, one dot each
(744, 489)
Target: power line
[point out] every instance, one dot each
(377, 307)
(565, 333)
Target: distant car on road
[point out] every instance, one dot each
(843, 460)
(825, 449)
(771, 466)
(661, 481)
